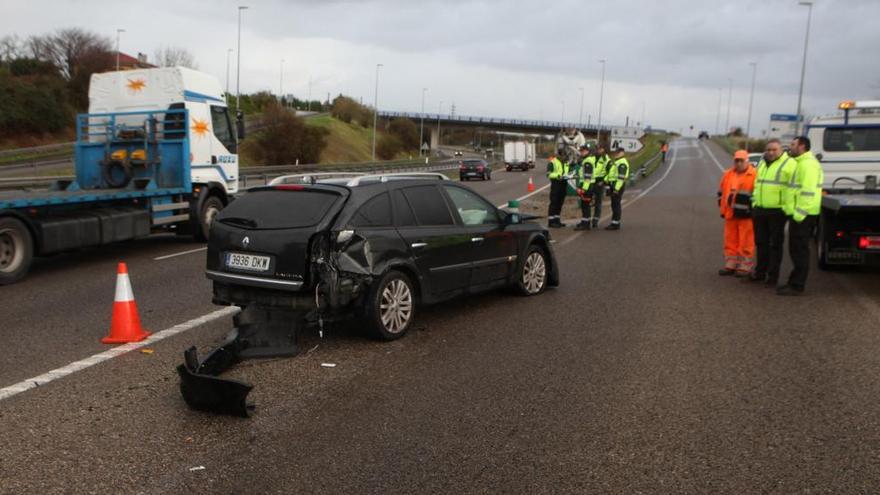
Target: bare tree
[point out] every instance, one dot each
(174, 56)
(70, 48)
(10, 47)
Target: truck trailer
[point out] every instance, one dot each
(519, 155)
(157, 152)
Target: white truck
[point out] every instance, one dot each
(156, 152)
(519, 155)
(848, 146)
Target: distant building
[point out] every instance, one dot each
(127, 62)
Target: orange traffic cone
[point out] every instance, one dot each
(531, 186)
(126, 325)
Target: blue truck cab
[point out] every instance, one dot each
(156, 152)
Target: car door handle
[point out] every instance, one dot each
(417, 245)
(476, 239)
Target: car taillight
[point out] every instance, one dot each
(461, 167)
(289, 187)
(869, 242)
(480, 168)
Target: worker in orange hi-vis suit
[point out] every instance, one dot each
(735, 202)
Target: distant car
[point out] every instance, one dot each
(756, 158)
(474, 169)
(373, 248)
(704, 135)
(458, 153)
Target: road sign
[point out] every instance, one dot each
(630, 145)
(627, 132)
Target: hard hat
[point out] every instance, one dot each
(741, 155)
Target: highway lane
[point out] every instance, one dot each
(60, 311)
(643, 371)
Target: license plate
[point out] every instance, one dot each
(248, 262)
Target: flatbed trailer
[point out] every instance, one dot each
(849, 228)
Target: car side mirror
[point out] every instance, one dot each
(819, 156)
(239, 125)
(512, 219)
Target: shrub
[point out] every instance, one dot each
(407, 131)
(389, 146)
(286, 138)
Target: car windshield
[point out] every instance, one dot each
(278, 209)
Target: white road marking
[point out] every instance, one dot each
(90, 361)
(638, 197)
(529, 195)
(500, 181)
(709, 152)
(191, 251)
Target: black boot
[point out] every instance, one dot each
(613, 226)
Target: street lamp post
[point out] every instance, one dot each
(376, 110)
(809, 6)
(601, 96)
(422, 123)
(718, 116)
(562, 117)
(118, 32)
(228, 53)
(439, 111)
(751, 100)
(281, 82)
(729, 97)
(581, 114)
(238, 62)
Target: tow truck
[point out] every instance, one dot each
(156, 152)
(848, 146)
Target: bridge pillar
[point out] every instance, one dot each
(435, 140)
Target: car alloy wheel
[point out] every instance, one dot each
(534, 274)
(396, 306)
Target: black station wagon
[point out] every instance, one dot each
(373, 247)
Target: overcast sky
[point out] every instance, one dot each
(515, 59)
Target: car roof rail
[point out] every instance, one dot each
(397, 176)
(311, 178)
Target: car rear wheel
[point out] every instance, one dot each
(391, 306)
(16, 250)
(533, 274)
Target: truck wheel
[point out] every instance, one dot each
(16, 250)
(210, 208)
(391, 306)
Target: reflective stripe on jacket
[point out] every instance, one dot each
(585, 173)
(618, 173)
(733, 192)
(804, 194)
(771, 182)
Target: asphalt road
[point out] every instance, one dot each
(643, 372)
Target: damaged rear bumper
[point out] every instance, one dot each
(259, 333)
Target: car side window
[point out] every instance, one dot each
(403, 213)
(472, 209)
(429, 206)
(374, 213)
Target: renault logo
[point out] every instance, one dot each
(245, 241)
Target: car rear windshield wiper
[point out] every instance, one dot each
(244, 222)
